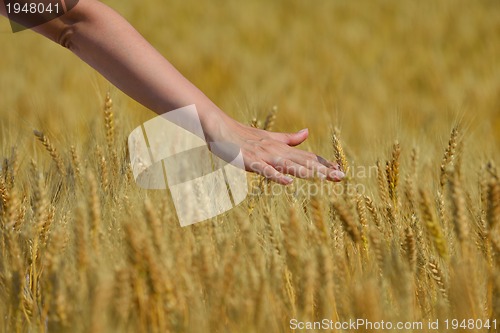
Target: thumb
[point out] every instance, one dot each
(291, 139)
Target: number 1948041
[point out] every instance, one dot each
(472, 324)
(32, 8)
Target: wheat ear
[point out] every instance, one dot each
(110, 126)
(431, 224)
(51, 150)
(348, 221)
(270, 119)
(338, 151)
(448, 156)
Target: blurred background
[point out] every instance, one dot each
(378, 70)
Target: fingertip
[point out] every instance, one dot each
(299, 137)
(304, 133)
(282, 179)
(304, 130)
(336, 175)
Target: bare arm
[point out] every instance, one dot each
(108, 43)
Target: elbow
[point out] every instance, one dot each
(66, 36)
(61, 30)
(69, 24)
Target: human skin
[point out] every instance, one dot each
(107, 42)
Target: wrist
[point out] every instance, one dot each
(215, 123)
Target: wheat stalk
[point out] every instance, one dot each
(448, 156)
(80, 239)
(10, 209)
(348, 221)
(410, 249)
(442, 210)
(361, 209)
(254, 123)
(377, 249)
(382, 189)
(458, 208)
(51, 150)
(437, 276)
(338, 151)
(17, 212)
(410, 190)
(270, 119)
(76, 164)
(103, 168)
(156, 226)
(292, 239)
(327, 306)
(4, 194)
(123, 292)
(109, 124)
(392, 173)
(11, 167)
(493, 212)
(370, 205)
(432, 227)
(317, 216)
(95, 212)
(308, 289)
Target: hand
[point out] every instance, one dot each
(272, 154)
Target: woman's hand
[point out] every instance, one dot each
(271, 154)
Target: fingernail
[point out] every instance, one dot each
(337, 174)
(287, 179)
(303, 130)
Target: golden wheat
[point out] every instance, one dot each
(52, 151)
(83, 249)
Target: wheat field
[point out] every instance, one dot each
(405, 95)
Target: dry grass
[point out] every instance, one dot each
(413, 234)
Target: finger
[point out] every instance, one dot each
(333, 172)
(290, 167)
(333, 165)
(318, 165)
(291, 139)
(269, 172)
(335, 175)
